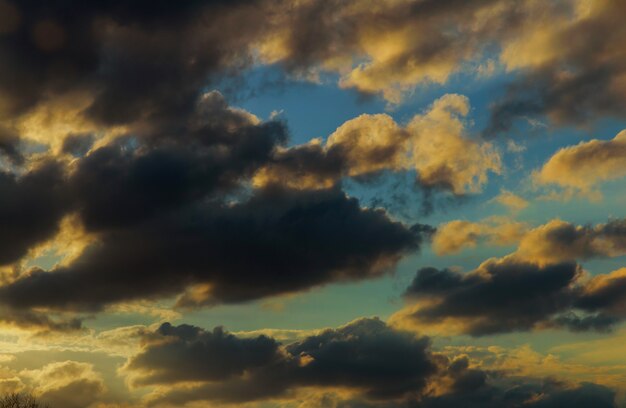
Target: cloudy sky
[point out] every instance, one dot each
(313, 203)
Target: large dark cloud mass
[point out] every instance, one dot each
(276, 242)
(168, 199)
(381, 366)
(172, 214)
(364, 355)
(512, 295)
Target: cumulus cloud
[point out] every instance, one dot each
(580, 168)
(455, 236)
(390, 48)
(570, 59)
(553, 242)
(561, 241)
(162, 215)
(365, 363)
(506, 295)
(499, 296)
(435, 144)
(234, 252)
(365, 356)
(107, 51)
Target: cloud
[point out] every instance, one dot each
(434, 144)
(68, 384)
(571, 63)
(559, 241)
(499, 296)
(159, 214)
(553, 242)
(187, 353)
(511, 200)
(365, 356)
(109, 50)
(581, 168)
(365, 363)
(238, 252)
(9, 148)
(33, 205)
(507, 295)
(386, 49)
(454, 236)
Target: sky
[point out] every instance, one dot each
(313, 203)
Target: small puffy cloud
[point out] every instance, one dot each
(580, 168)
(559, 241)
(511, 200)
(455, 236)
(553, 242)
(435, 144)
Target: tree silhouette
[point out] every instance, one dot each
(16, 400)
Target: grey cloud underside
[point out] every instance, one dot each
(512, 295)
(383, 367)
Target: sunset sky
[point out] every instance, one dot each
(313, 203)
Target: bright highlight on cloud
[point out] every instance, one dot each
(435, 144)
(581, 168)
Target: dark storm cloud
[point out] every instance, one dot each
(511, 295)
(365, 355)
(274, 243)
(30, 209)
(382, 366)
